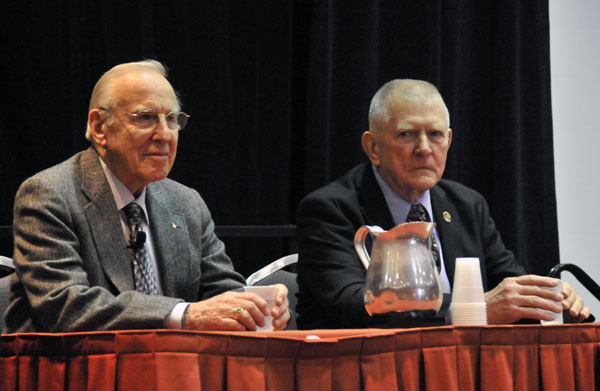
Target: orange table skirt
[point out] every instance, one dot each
(445, 358)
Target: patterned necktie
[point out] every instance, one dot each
(145, 280)
(419, 213)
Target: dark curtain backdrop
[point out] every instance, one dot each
(279, 92)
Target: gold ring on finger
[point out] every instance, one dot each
(237, 312)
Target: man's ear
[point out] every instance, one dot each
(97, 127)
(371, 147)
(449, 137)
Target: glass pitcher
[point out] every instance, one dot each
(401, 272)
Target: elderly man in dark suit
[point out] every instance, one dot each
(407, 144)
(104, 241)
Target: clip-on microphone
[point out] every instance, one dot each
(137, 240)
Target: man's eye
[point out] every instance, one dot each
(436, 135)
(405, 134)
(171, 118)
(151, 117)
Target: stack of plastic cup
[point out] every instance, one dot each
(468, 302)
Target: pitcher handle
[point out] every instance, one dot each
(359, 242)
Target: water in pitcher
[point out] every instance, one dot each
(389, 300)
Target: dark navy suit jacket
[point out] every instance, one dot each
(330, 274)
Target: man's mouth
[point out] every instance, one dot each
(158, 155)
(422, 168)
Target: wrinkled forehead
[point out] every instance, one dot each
(403, 112)
(137, 87)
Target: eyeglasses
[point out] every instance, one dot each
(148, 119)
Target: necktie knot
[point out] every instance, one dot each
(134, 213)
(417, 213)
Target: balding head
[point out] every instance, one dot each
(104, 94)
(398, 91)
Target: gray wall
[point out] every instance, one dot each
(575, 62)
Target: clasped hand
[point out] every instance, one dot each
(527, 296)
(217, 313)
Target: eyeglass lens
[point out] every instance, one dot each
(145, 120)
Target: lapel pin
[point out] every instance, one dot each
(173, 225)
(447, 216)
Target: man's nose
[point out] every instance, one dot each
(422, 144)
(162, 130)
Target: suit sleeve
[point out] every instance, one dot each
(329, 268)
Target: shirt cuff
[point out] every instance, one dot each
(175, 318)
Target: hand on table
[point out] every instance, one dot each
(218, 312)
(526, 296)
(578, 311)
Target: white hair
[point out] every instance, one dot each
(401, 90)
(103, 94)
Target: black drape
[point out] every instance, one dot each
(279, 94)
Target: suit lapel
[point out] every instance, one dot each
(104, 223)
(170, 237)
(372, 202)
(448, 222)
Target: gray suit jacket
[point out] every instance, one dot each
(73, 268)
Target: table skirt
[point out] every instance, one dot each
(523, 357)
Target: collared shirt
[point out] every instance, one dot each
(399, 209)
(123, 197)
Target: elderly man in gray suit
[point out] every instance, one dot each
(105, 241)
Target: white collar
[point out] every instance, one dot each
(120, 192)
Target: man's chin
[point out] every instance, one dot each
(423, 184)
(156, 175)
